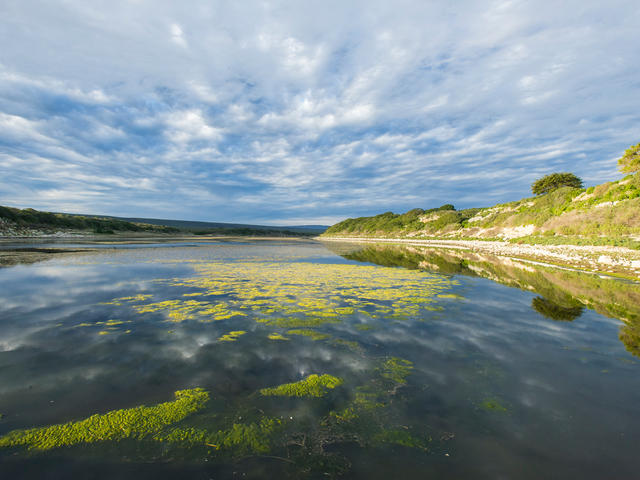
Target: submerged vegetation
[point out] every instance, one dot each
(312, 386)
(299, 297)
(365, 418)
(231, 336)
(137, 423)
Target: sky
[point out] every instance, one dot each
(308, 112)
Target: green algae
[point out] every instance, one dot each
(452, 296)
(231, 336)
(403, 438)
(295, 295)
(309, 333)
(293, 322)
(137, 423)
(396, 369)
(351, 345)
(239, 439)
(363, 327)
(312, 386)
(494, 405)
(276, 336)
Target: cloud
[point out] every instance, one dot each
(261, 111)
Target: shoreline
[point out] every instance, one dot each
(607, 260)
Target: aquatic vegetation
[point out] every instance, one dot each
(138, 423)
(312, 386)
(452, 296)
(396, 369)
(297, 295)
(276, 336)
(294, 322)
(363, 327)
(351, 345)
(309, 333)
(403, 438)
(493, 404)
(239, 439)
(134, 298)
(231, 336)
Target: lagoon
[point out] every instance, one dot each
(296, 359)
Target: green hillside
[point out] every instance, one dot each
(605, 214)
(18, 220)
(27, 222)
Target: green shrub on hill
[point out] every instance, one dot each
(553, 181)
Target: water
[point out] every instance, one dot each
(436, 363)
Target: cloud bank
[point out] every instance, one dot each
(308, 112)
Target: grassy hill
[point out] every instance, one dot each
(607, 214)
(15, 221)
(22, 220)
(197, 226)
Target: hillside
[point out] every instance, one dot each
(607, 214)
(198, 226)
(29, 222)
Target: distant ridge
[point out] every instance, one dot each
(30, 222)
(192, 224)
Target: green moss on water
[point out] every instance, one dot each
(293, 322)
(494, 405)
(351, 345)
(396, 369)
(309, 333)
(276, 336)
(363, 327)
(402, 437)
(312, 386)
(137, 423)
(239, 439)
(231, 336)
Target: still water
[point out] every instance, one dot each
(296, 359)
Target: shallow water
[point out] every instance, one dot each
(438, 364)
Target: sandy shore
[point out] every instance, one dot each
(602, 259)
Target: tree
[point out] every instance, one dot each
(553, 181)
(630, 161)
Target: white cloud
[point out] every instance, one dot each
(188, 125)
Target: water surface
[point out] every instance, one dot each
(297, 359)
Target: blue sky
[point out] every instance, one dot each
(308, 112)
